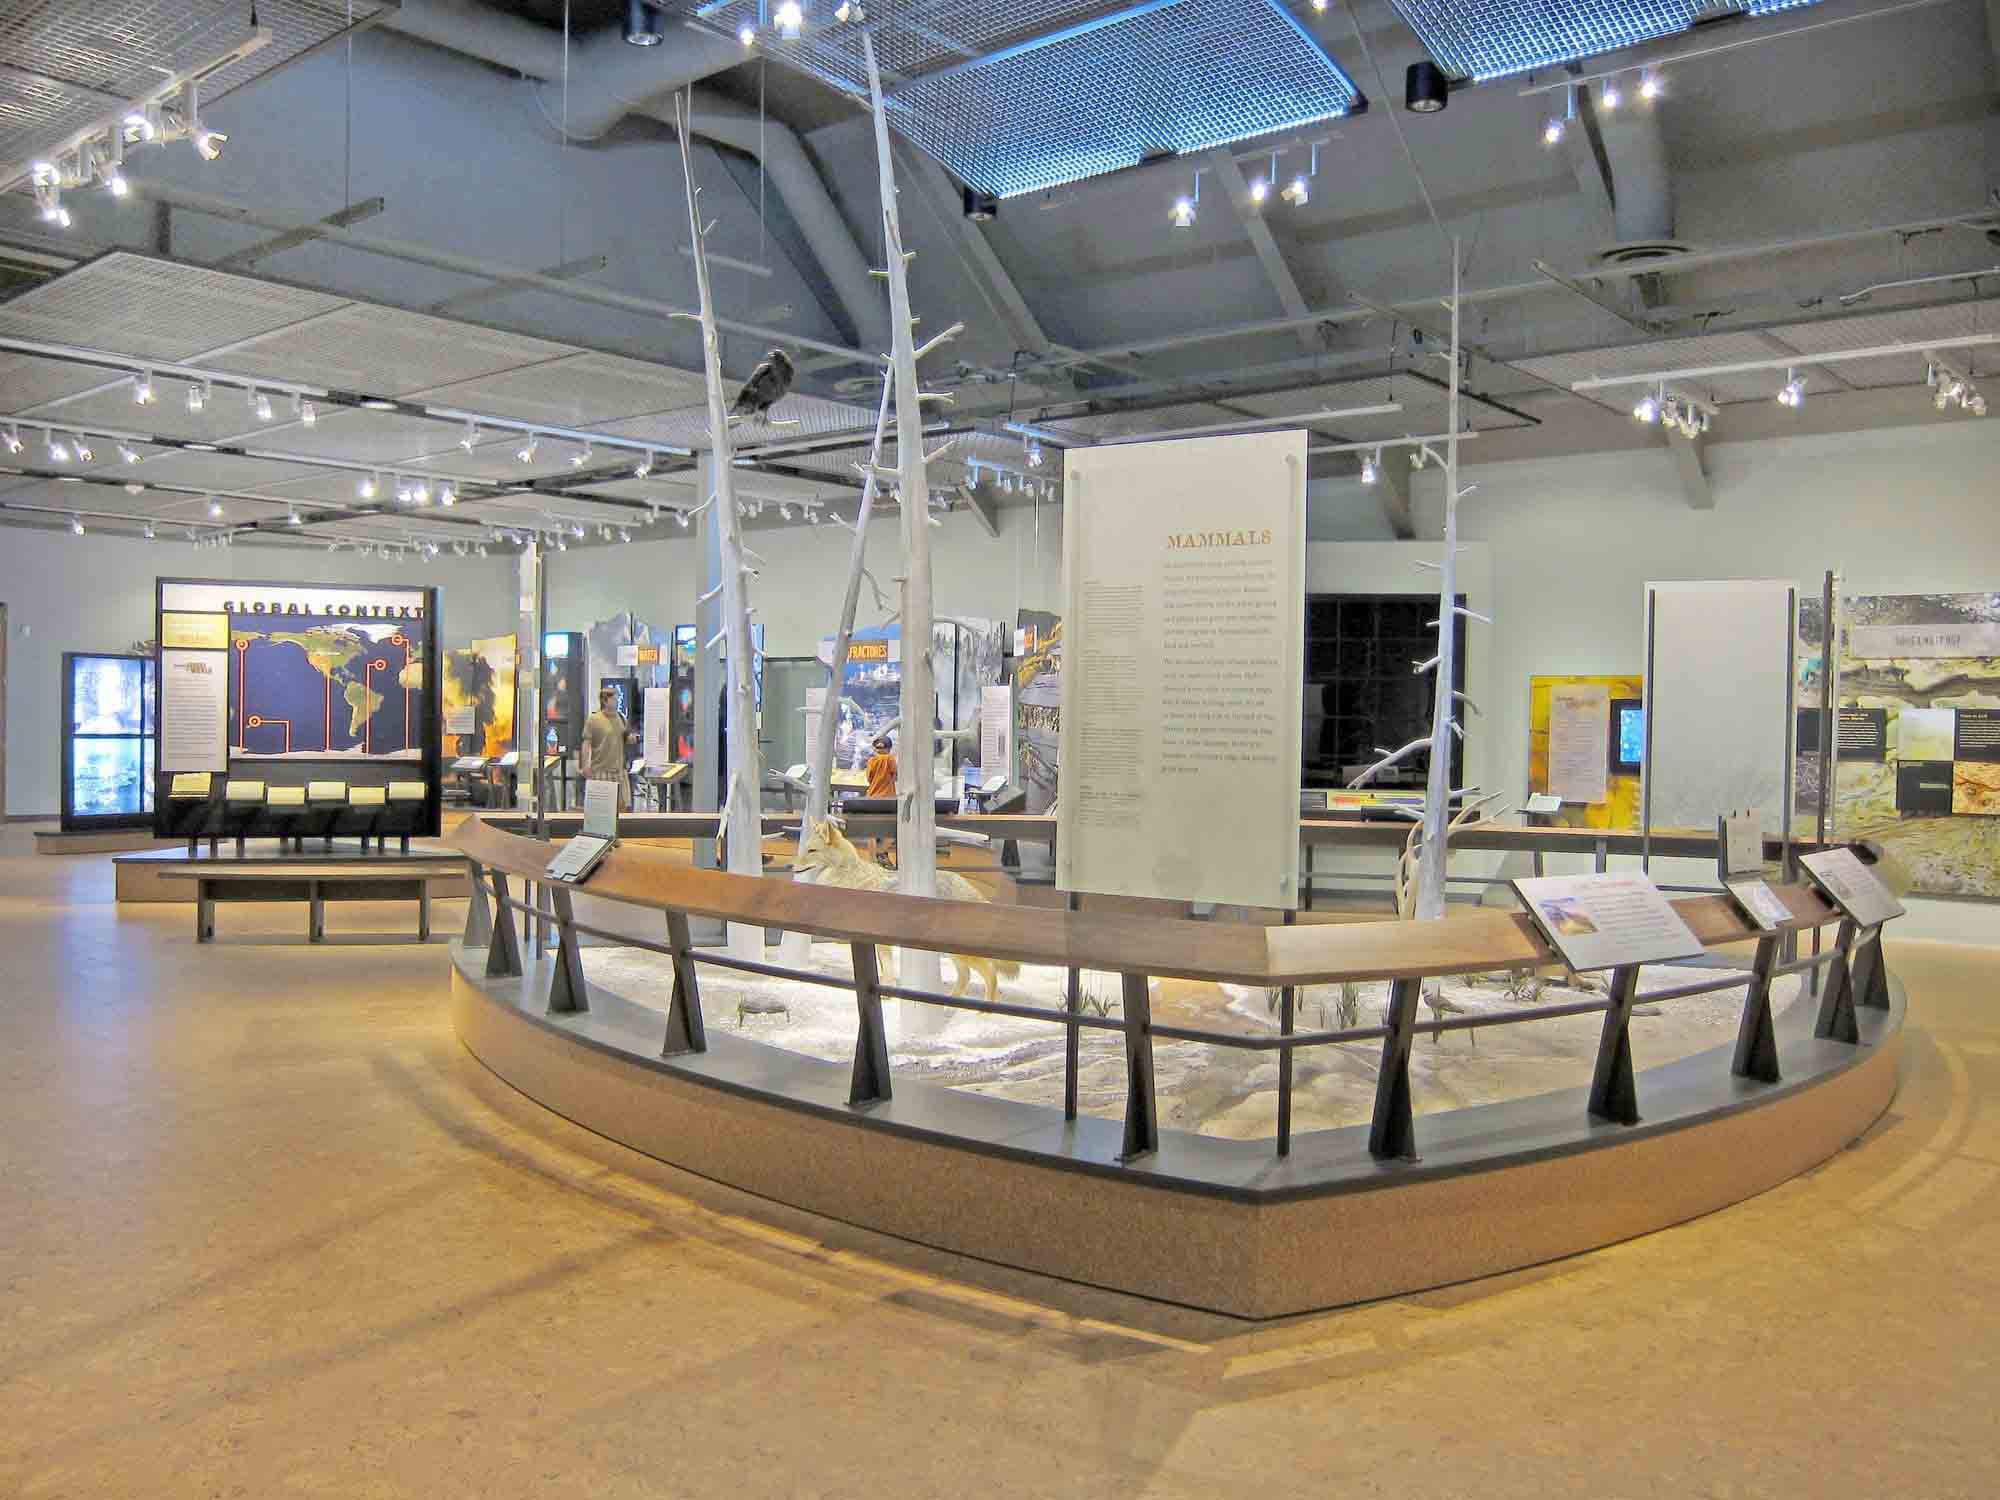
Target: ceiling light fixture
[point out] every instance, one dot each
(446, 494)
(260, 404)
(142, 388)
(56, 449)
(1426, 90)
(84, 452)
(470, 439)
(304, 410)
(128, 453)
(979, 207)
(368, 486)
(294, 519)
(747, 35)
(1609, 95)
(681, 519)
(214, 508)
(642, 24)
(790, 19)
(1648, 409)
(1371, 466)
(581, 457)
(197, 395)
(526, 452)
(76, 525)
(147, 531)
(1793, 392)
(10, 436)
(644, 466)
(1554, 128)
(1651, 86)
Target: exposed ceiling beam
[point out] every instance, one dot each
(982, 264)
(985, 510)
(291, 239)
(588, 265)
(1692, 470)
(1269, 256)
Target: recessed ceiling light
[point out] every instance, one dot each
(376, 403)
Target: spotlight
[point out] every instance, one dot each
(1260, 190)
(562, 542)
(1609, 95)
(1297, 193)
(142, 388)
(128, 453)
(642, 24)
(294, 519)
(471, 438)
(644, 466)
(747, 35)
(84, 453)
(369, 486)
(115, 181)
(681, 519)
(402, 490)
(260, 405)
(1034, 451)
(447, 495)
(56, 449)
(139, 126)
(624, 533)
(581, 457)
(214, 508)
(1426, 90)
(847, 11)
(208, 143)
(526, 452)
(420, 492)
(980, 207)
(147, 532)
(1182, 216)
(197, 395)
(305, 411)
(1552, 132)
(1650, 86)
(481, 549)
(1793, 393)
(1370, 470)
(1648, 409)
(576, 530)
(76, 525)
(790, 20)
(11, 438)
(1319, 6)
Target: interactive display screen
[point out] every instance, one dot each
(108, 752)
(1628, 734)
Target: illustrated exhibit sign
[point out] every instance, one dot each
(1182, 674)
(1606, 921)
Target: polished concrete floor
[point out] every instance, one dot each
(265, 1230)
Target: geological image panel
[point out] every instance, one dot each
(309, 687)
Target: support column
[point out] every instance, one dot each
(709, 753)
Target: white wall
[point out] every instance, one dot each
(95, 593)
(1573, 541)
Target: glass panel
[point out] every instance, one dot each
(109, 778)
(108, 695)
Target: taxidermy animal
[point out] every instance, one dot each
(836, 862)
(767, 386)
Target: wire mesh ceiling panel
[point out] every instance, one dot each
(70, 62)
(1024, 95)
(1483, 39)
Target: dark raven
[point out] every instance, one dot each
(766, 387)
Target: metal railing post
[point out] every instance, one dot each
(871, 1042)
(1756, 1043)
(1392, 1132)
(1287, 1014)
(1613, 1094)
(566, 988)
(685, 1031)
(1837, 1021)
(478, 915)
(1142, 1117)
(503, 954)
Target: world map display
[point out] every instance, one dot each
(309, 687)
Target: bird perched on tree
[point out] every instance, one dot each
(766, 387)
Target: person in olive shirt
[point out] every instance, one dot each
(606, 737)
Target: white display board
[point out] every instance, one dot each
(1184, 625)
(194, 710)
(658, 728)
(1606, 921)
(996, 731)
(1579, 740)
(1719, 699)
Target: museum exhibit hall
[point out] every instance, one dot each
(831, 747)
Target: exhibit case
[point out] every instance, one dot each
(108, 741)
(268, 690)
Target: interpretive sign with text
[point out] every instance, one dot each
(1606, 921)
(1851, 886)
(1181, 682)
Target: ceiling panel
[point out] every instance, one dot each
(384, 351)
(220, 471)
(27, 382)
(155, 309)
(581, 390)
(362, 436)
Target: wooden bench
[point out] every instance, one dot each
(315, 884)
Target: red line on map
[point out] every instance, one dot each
(328, 746)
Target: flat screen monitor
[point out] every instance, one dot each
(1628, 735)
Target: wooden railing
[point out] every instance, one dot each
(1280, 957)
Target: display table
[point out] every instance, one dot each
(143, 877)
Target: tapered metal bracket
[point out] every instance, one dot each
(566, 989)
(478, 911)
(1142, 1116)
(871, 1042)
(685, 1031)
(503, 954)
(1756, 1042)
(1871, 974)
(1393, 1129)
(1837, 1021)
(1613, 1093)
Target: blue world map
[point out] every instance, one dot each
(316, 686)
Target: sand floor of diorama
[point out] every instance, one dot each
(1217, 1091)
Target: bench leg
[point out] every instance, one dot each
(423, 911)
(204, 913)
(315, 914)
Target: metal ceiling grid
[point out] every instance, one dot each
(1172, 78)
(155, 309)
(1905, 326)
(496, 463)
(1426, 407)
(384, 351)
(224, 417)
(27, 382)
(214, 471)
(361, 436)
(579, 390)
(1638, 359)
(799, 417)
(1138, 423)
(1484, 39)
(84, 60)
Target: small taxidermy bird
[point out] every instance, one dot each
(766, 387)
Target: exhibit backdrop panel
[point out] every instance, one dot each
(477, 690)
(1038, 646)
(286, 684)
(1719, 696)
(1184, 577)
(107, 741)
(1918, 735)
(1556, 712)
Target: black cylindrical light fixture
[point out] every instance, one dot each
(1425, 88)
(980, 207)
(643, 27)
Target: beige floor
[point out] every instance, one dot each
(266, 1231)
